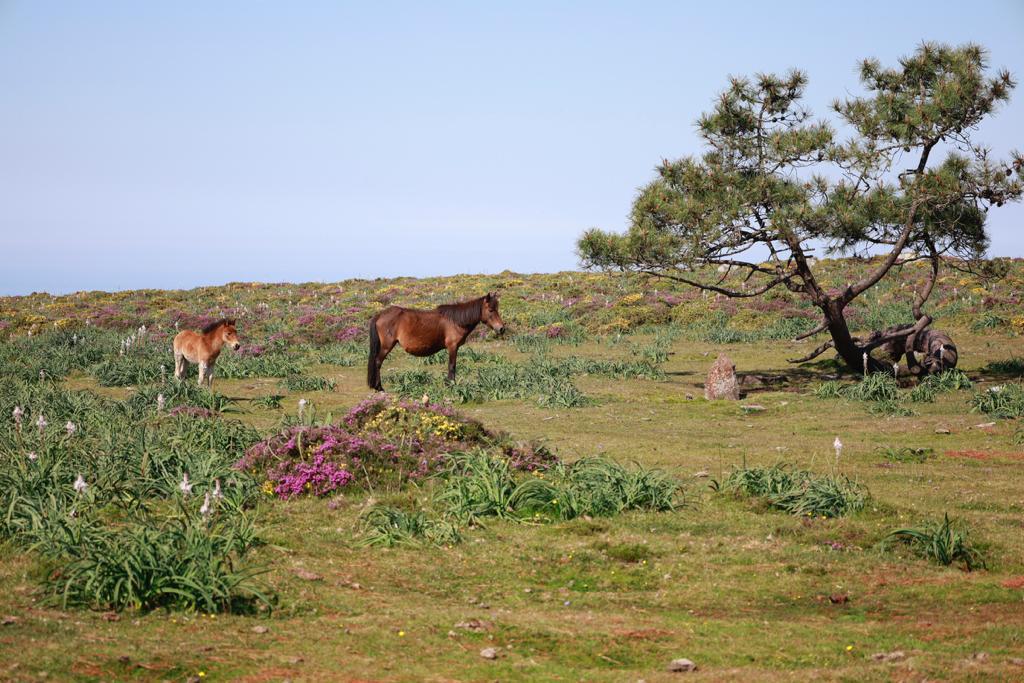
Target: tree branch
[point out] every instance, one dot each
(855, 290)
(821, 327)
(732, 294)
(813, 354)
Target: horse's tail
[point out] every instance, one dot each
(372, 371)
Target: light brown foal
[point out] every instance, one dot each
(202, 348)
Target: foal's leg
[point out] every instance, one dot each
(202, 373)
(179, 365)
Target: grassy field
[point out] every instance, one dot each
(743, 590)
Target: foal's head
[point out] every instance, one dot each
(489, 313)
(225, 332)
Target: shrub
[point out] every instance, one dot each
(146, 401)
(1012, 367)
(942, 542)
(479, 485)
(389, 527)
(946, 381)
(187, 563)
(383, 441)
(1003, 401)
(877, 386)
(271, 401)
(237, 366)
(988, 320)
(296, 382)
(798, 492)
(906, 454)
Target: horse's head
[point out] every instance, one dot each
(229, 335)
(489, 313)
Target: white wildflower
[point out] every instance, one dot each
(32, 456)
(205, 509)
(160, 401)
(70, 428)
(302, 407)
(185, 485)
(18, 413)
(216, 489)
(41, 422)
(80, 485)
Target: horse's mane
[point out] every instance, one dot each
(465, 313)
(214, 325)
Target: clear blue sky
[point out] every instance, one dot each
(175, 144)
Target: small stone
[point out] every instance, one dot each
(9, 620)
(839, 598)
(942, 430)
(489, 653)
(1017, 661)
(895, 656)
(260, 629)
(985, 425)
(703, 474)
(527, 590)
(124, 659)
(307, 575)
(721, 382)
(752, 408)
(474, 625)
(682, 665)
(111, 616)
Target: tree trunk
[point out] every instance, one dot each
(846, 346)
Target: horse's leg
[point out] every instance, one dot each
(453, 352)
(386, 343)
(379, 361)
(209, 376)
(202, 373)
(179, 365)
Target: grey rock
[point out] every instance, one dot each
(682, 665)
(894, 656)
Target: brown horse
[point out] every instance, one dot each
(202, 348)
(424, 333)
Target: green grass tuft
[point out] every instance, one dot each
(942, 542)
